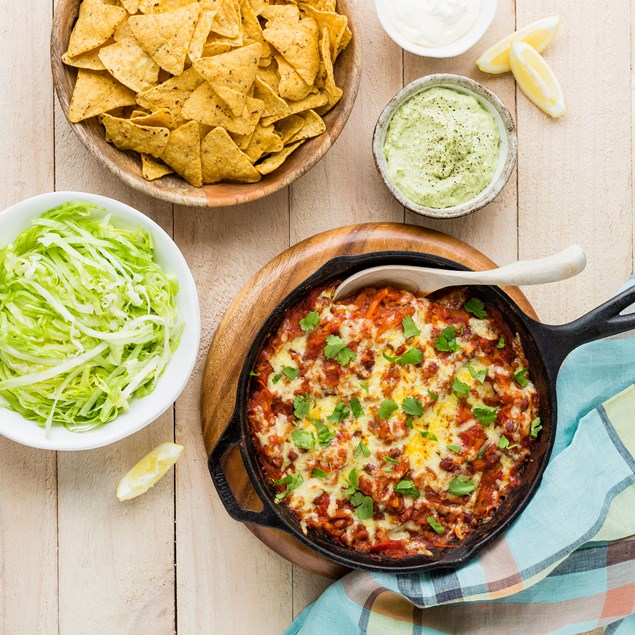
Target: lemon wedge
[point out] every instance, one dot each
(536, 79)
(148, 471)
(538, 34)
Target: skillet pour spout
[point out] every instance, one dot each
(545, 346)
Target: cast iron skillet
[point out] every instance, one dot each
(546, 348)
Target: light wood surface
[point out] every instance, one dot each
(172, 188)
(72, 560)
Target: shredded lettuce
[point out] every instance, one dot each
(88, 319)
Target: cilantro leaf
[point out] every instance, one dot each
(535, 427)
(501, 342)
(408, 488)
(310, 322)
(303, 439)
(292, 481)
(412, 406)
(290, 372)
(454, 448)
(413, 356)
(389, 459)
(324, 435)
(356, 407)
(340, 413)
(364, 386)
(336, 348)
(276, 378)
(521, 377)
(253, 373)
(388, 358)
(319, 472)
(409, 327)
(461, 485)
(301, 406)
(481, 452)
(503, 444)
(433, 395)
(446, 342)
(479, 375)
(476, 307)
(388, 406)
(460, 389)
(485, 414)
(364, 507)
(437, 526)
(361, 448)
(409, 423)
(353, 482)
(426, 434)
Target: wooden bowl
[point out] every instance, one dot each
(173, 188)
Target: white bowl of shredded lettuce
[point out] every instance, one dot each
(99, 321)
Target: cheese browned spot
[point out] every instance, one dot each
(404, 464)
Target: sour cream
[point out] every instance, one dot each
(433, 23)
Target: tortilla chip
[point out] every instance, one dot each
(130, 64)
(313, 126)
(291, 85)
(137, 112)
(274, 161)
(172, 94)
(89, 60)
(127, 135)
(96, 23)
(183, 153)
(269, 75)
(152, 169)
(131, 6)
(344, 42)
(252, 31)
(242, 140)
(161, 6)
(227, 20)
(320, 5)
(333, 93)
(334, 22)
(162, 118)
(96, 92)
(297, 42)
(258, 6)
(274, 105)
(223, 160)
(231, 74)
(263, 141)
(313, 101)
(217, 39)
(166, 36)
(289, 127)
(202, 30)
(215, 48)
(287, 12)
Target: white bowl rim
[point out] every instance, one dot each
(494, 105)
(460, 46)
(164, 396)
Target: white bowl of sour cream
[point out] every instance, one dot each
(436, 28)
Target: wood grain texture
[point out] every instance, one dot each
(252, 307)
(174, 189)
(28, 478)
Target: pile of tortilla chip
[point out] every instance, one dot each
(214, 90)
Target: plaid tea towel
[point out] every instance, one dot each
(566, 566)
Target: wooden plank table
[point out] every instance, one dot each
(74, 560)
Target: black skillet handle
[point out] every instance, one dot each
(605, 321)
(231, 438)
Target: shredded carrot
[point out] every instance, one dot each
(379, 296)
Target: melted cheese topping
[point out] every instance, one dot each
(373, 479)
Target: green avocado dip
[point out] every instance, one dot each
(442, 148)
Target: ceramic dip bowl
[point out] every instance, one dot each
(491, 103)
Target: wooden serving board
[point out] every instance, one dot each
(251, 308)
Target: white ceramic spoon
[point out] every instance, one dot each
(565, 264)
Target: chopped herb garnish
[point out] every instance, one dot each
(476, 307)
(388, 406)
(389, 459)
(461, 485)
(325, 436)
(454, 448)
(446, 342)
(387, 357)
(353, 482)
(253, 373)
(438, 527)
(409, 327)
(433, 395)
(408, 488)
(479, 375)
(336, 348)
(460, 389)
(361, 448)
(426, 434)
(290, 372)
(503, 444)
(301, 406)
(521, 377)
(412, 406)
(310, 322)
(413, 356)
(292, 481)
(340, 413)
(481, 452)
(320, 473)
(535, 427)
(409, 423)
(356, 408)
(364, 386)
(501, 342)
(363, 505)
(303, 439)
(485, 414)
